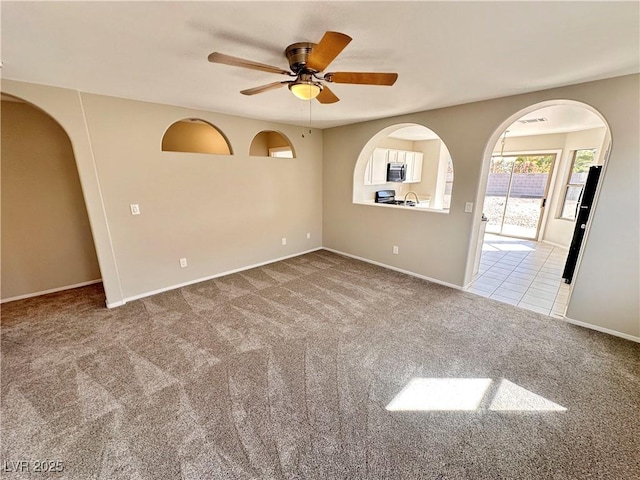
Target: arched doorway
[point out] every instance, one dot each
(47, 243)
(534, 182)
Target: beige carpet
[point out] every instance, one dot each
(285, 372)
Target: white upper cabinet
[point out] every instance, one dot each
(376, 171)
(414, 167)
(408, 158)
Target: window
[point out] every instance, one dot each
(580, 163)
(281, 152)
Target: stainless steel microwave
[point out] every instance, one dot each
(396, 172)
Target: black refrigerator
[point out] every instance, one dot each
(582, 216)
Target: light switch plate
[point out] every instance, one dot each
(183, 262)
(468, 207)
(135, 209)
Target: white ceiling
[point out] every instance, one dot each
(556, 119)
(414, 133)
(445, 53)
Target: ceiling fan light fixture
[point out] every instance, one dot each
(305, 90)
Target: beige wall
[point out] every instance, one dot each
(551, 141)
(430, 168)
(221, 212)
(46, 238)
(394, 143)
(438, 246)
(194, 137)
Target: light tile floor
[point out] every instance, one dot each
(523, 273)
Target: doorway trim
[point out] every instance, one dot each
(484, 175)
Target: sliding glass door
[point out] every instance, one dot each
(516, 194)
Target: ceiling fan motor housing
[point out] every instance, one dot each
(297, 54)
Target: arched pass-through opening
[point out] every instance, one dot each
(404, 165)
(47, 243)
(545, 153)
(193, 135)
(269, 143)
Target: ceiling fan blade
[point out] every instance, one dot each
(323, 53)
(327, 96)
(362, 78)
(217, 57)
(263, 88)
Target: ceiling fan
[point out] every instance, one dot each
(307, 61)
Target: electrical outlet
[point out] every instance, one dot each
(183, 262)
(468, 207)
(395, 249)
(308, 236)
(135, 209)
(284, 240)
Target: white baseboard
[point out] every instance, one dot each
(384, 265)
(115, 304)
(602, 329)
(210, 277)
(52, 290)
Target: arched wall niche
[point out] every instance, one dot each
(194, 135)
(429, 167)
(270, 143)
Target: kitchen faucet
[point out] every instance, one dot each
(414, 194)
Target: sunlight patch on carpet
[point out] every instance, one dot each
(429, 394)
(511, 397)
(467, 394)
